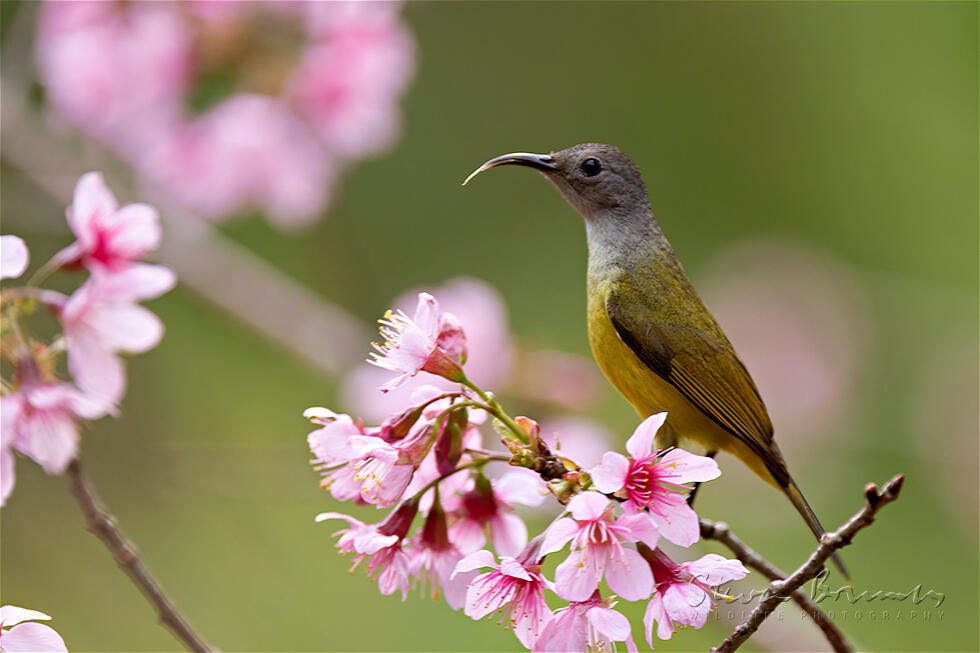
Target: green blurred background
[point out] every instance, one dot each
(845, 128)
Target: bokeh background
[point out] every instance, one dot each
(815, 167)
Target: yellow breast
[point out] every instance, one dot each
(647, 391)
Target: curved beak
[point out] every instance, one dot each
(543, 162)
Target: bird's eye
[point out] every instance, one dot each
(591, 167)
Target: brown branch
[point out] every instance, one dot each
(720, 532)
(780, 590)
(104, 526)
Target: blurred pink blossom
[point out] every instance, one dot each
(18, 632)
(13, 257)
(348, 83)
(117, 73)
(108, 236)
(800, 323)
(568, 380)
(39, 420)
(579, 439)
(247, 152)
(126, 73)
(7, 471)
(102, 319)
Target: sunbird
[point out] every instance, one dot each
(649, 331)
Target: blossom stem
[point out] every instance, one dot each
(721, 532)
(496, 410)
(42, 273)
(875, 499)
(105, 527)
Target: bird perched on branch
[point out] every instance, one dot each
(649, 331)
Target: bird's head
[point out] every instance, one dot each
(596, 179)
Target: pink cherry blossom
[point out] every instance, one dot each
(108, 236)
(357, 464)
(118, 72)
(18, 632)
(381, 544)
(13, 257)
(487, 506)
(590, 625)
(387, 564)
(39, 420)
(597, 550)
(683, 591)
(434, 558)
(430, 342)
(489, 349)
(102, 318)
(654, 482)
(514, 590)
(247, 152)
(7, 478)
(348, 83)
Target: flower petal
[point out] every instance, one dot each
(640, 443)
(92, 200)
(134, 230)
(11, 615)
(610, 475)
(509, 534)
(655, 612)
(137, 282)
(687, 603)
(476, 560)
(679, 524)
(13, 257)
(588, 506)
(51, 438)
(126, 327)
(630, 575)
(96, 370)
(578, 576)
(713, 569)
(690, 468)
(558, 535)
(32, 637)
(641, 528)
(609, 622)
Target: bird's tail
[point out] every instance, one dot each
(794, 494)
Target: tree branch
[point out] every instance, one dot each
(104, 526)
(720, 532)
(780, 590)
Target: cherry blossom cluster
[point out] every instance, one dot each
(100, 320)
(227, 106)
(427, 464)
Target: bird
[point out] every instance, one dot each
(649, 331)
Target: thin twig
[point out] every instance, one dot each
(720, 532)
(104, 526)
(875, 499)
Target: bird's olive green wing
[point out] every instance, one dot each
(702, 365)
